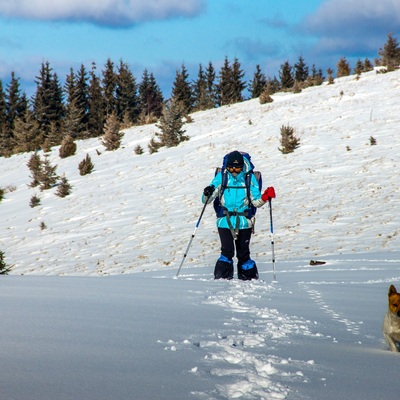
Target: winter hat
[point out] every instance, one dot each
(235, 159)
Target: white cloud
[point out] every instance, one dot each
(344, 17)
(102, 12)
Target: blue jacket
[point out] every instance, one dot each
(234, 197)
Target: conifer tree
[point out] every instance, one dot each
(5, 137)
(343, 68)
(359, 68)
(109, 84)
(211, 91)
(81, 99)
(112, 135)
(48, 99)
(48, 176)
(390, 54)
(68, 147)
(73, 121)
(86, 166)
(286, 75)
(237, 81)
(171, 123)
(16, 103)
(64, 188)
(200, 91)
(35, 165)
(368, 65)
(181, 89)
(96, 114)
(258, 83)
(300, 70)
(27, 135)
(127, 99)
(150, 96)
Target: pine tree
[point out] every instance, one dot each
(68, 147)
(359, 68)
(286, 75)
(109, 84)
(343, 68)
(300, 70)
(48, 99)
(181, 89)
(64, 188)
(81, 99)
(150, 96)
(96, 105)
(258, 83)
(35, 165)
(211, 90)
(171, 123)
(225, 90)
(6, 142)
(86, 166)
(112, 135)
(16, 104)
(27, 135)
(73, 121)
(127, 99)
(48, 176)
(368, 65)
(390, 54)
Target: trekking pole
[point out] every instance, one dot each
(191, 239)
(272, 238)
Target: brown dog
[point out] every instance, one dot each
(391, 322)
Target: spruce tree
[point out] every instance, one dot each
(225, 91)
(112, 135)
(16, 104)
(237, 81)
(96, 116)
(150, 97)
(48, 99)
(258, 83)
(48, 176)
(211, 90)
(27, 135)
(127, 99)
(109, 84)
(64, 188)
(343, 68)
(35, 165)
(81, 99)
(181, 89)
(171, 123)
(300, 70)
(390, 54)
(286, 75)
(200, 91)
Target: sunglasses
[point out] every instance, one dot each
(234, 169)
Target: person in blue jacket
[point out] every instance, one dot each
(234, 227)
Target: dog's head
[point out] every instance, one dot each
(394, 301)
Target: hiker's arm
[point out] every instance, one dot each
(216, 183)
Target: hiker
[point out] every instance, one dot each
(235, 219)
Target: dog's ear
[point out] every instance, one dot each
(392, 290)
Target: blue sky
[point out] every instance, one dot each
(161, 35)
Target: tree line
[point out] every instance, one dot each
(81, 107)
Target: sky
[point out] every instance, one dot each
(162, 35)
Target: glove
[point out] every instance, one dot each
(208, 191)
(268, 194)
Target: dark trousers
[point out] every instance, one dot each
(242, 244)
(247, 268)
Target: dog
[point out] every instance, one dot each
(391, 322)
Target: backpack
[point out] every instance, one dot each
(251, 211)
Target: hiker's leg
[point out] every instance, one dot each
(247, 268)
(224, 265)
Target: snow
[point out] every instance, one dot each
(93, 309)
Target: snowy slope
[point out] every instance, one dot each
(141, 334)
